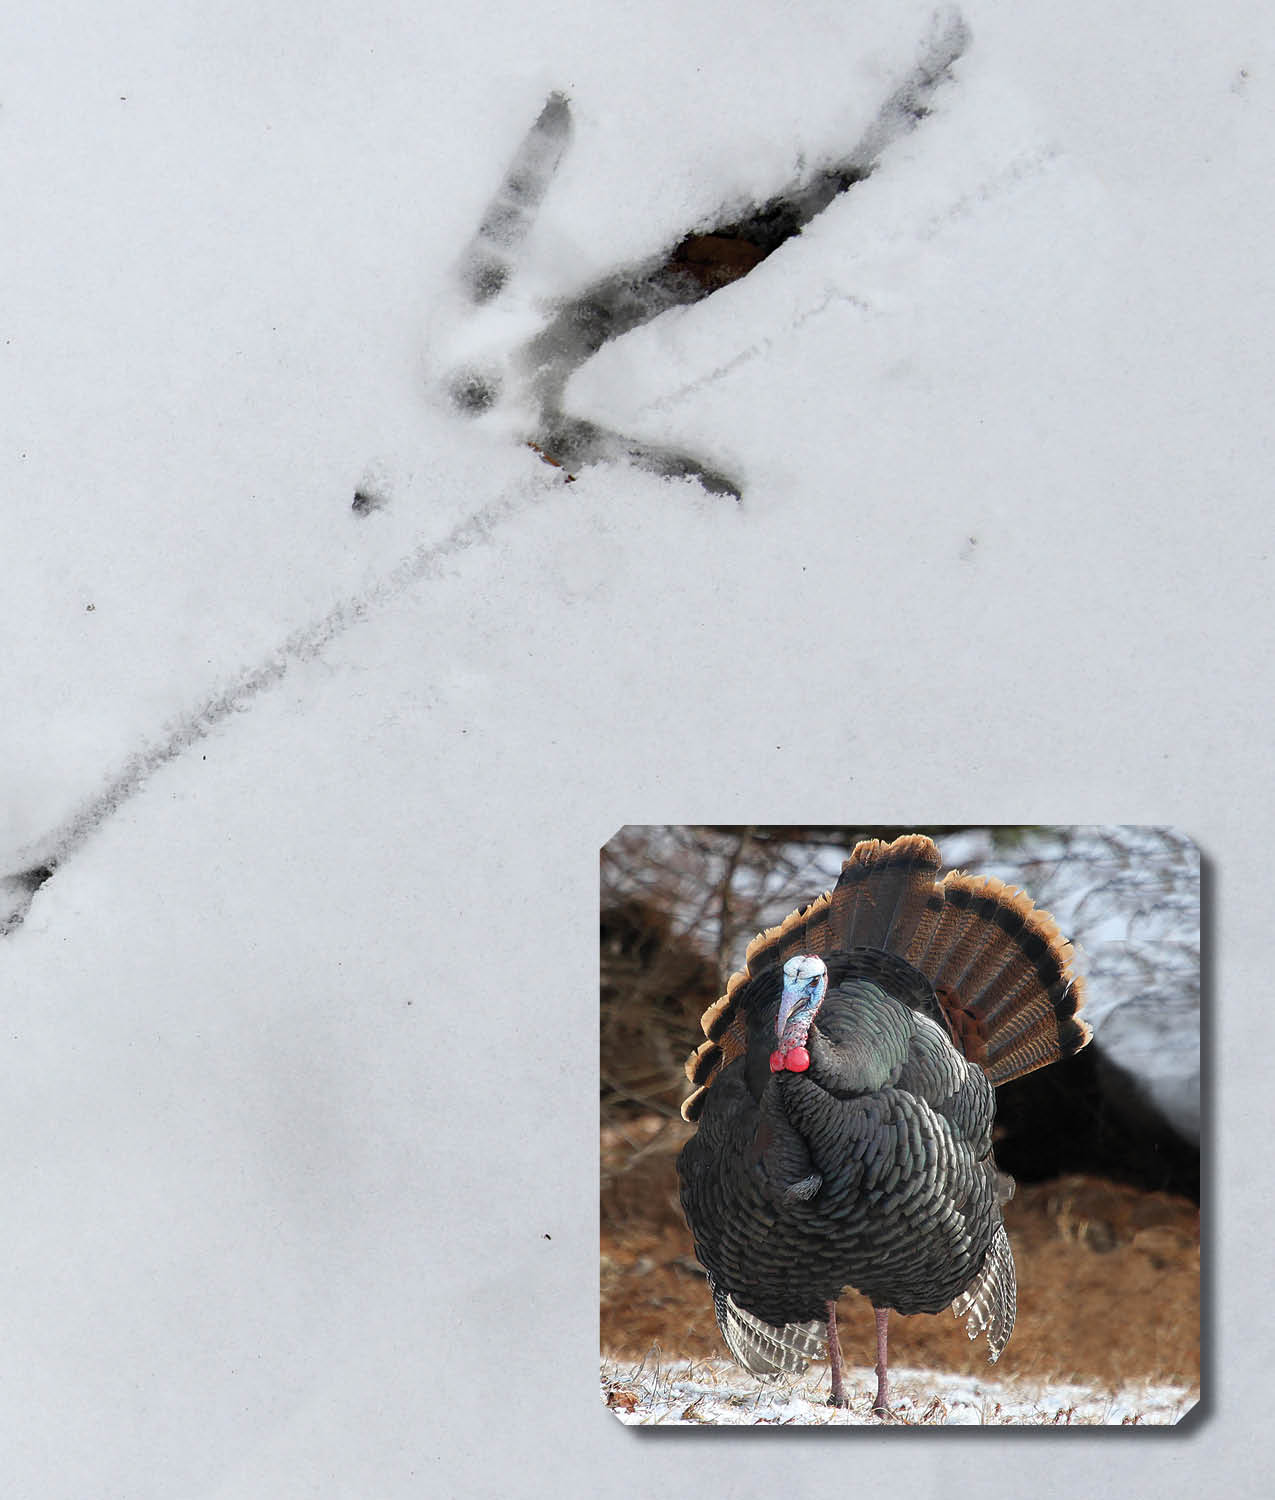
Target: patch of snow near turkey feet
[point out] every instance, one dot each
(710, 1392)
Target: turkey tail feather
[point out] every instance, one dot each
(990, 1302)
(1008, 965)
(882, 893)
(764, 1348)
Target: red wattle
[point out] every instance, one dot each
(798, 1060)
(776, 1062)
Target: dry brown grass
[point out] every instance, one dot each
(1108, 1278)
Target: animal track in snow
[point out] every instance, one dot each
(701, 263)
(698, 265)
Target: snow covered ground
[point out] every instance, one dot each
(681, 1394)
(302, 795)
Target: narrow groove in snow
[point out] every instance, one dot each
(304, 644)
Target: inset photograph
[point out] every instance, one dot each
(900, 1126)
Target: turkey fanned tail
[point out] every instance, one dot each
(762, 1347)
(991, 1299)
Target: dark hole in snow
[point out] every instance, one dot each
(485, 278)
(473, 393)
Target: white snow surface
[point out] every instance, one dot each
(299, 1101)
(712, 1392)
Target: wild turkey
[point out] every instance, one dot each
(844, 1097)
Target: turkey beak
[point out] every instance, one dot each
(792, 998)
(797, 1009)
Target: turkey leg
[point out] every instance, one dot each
(838, 1397)
(879, 1407)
